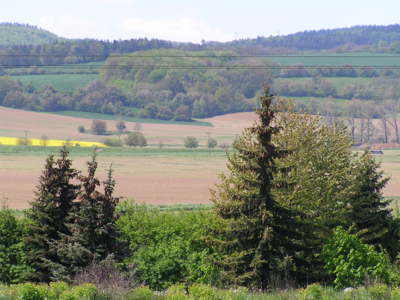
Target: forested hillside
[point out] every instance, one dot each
(20, 34)
(180, 81)
(376, 38)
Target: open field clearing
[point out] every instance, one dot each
(155, 176)
(174, 177)
(19, 123)
(61, 82)
(339, 59)
(151, 175)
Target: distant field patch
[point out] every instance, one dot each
(61, 82)
(11, 141)
(88, 115)
(339, 59)
(337, 82)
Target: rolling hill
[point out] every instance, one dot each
(20, 34)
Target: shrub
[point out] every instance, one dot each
(44, 140)
(351, 262)
(313, 292)
(99, 127)
(141, 293)
(135, 139)
(13, 266)
(202, 291)
(80, 292)
(29, 291)
(24, 142)
(81, 129)
(212, 143)
(105, 275)
(120, 125)
(191, 142)
(168, 247)
(112, 142)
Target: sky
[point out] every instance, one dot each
(195, 20)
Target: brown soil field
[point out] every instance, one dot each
(17, 123)
(156, 180)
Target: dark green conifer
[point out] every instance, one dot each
(93, 229)
(368, 213)
(260, 237)
(54, 199)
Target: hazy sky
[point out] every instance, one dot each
(189, 20)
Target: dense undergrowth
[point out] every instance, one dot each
(62, 291)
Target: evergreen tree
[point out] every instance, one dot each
(368, 213)
(260, 237)
(93, 229)
(54, 199)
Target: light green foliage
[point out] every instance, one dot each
(81, 292)
(141, 293)
(61, 82)
(13, 264)
(204, 292)
(351, 262)
(168, 247)
(18, 34)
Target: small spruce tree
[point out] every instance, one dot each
(49, 213)
(92, 225)
(259, 237)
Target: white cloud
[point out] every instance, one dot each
(182, 30)
(73, 27)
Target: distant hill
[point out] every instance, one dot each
(374, 36)
(13, 34)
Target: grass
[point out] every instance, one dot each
(89, 115)
(84, 68)
(337, 82)
(61, 82)
(111, 152)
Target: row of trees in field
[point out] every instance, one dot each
(367, 121)
(377, 89)
(297, 206)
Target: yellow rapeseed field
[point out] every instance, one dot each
(11, 141)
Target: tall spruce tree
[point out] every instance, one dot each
(368, 213)
(92, 226)
(54, 199)
(259, 237)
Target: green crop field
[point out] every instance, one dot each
(337, 82)
(112, 152)
(88, 115)
(339, 59)
(61, 82)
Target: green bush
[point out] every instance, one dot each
(177, 292)
(313, 292)
(191, 142)
(204, 292)
(380, 291)
(141, 293)
(13, 266)
(81, 292)
(168, 247)
(351, 262)
(29, 291)
(112, 142)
